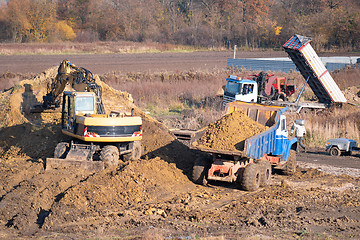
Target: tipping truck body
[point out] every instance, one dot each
(312, 68)
(250, 167)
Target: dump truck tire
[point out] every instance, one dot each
(335, 151)
(110, 156)
(265, 172)
(251, 177)
(61, 150)
(136, 152)
(200, 168)
(290, 166)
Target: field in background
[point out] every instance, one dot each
(63, 48)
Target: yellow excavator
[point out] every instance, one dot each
(99, 140)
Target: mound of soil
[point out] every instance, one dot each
(230, 132)
(36, 134)
(106, 195)
(27, 139)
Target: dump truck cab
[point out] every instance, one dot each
(238, 89)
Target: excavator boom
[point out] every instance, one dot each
(79, 78)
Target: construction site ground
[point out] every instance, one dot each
(154, 198)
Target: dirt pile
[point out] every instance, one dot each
(59, 196)
(229, 132)
(352, 95)
(105, 196)
(36, 135)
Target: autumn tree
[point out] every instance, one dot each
(211, 23)
(31, 20)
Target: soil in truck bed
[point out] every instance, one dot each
(229, 132)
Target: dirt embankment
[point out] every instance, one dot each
(151, 197)
(26, 139)
(230, 132)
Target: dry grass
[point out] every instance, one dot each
(331, 123)
(90, 48)
(347, 77)
(180, 100)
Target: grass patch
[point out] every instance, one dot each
(67, 48)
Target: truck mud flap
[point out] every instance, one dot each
(58, 163)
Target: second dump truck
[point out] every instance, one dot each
(251, 167)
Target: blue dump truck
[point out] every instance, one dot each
(250, 167)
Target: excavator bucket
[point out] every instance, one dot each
(79, 157)
(58, 163)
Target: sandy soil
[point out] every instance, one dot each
(151, 198)
(229, 132)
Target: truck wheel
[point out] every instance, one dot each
(110, 156)
(335, 151)
(265, 172)
(200, 169)
(251, 177)
(61, 150)
(290, 166)
(136, 152)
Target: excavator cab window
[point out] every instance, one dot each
(85, 104)
(68, 113)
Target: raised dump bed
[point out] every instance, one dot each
(312, 68)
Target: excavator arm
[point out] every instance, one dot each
(80, 79)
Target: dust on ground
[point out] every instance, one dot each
(230, 132)
(152, 197)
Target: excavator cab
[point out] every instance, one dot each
(76, 104)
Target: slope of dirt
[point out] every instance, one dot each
(229, 132)
(26, 139)
(109, 194)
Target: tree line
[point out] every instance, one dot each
(333, 24)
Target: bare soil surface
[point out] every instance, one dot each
(151, 198)
(104, 63)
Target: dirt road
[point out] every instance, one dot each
(319, 159)
(104, 63)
